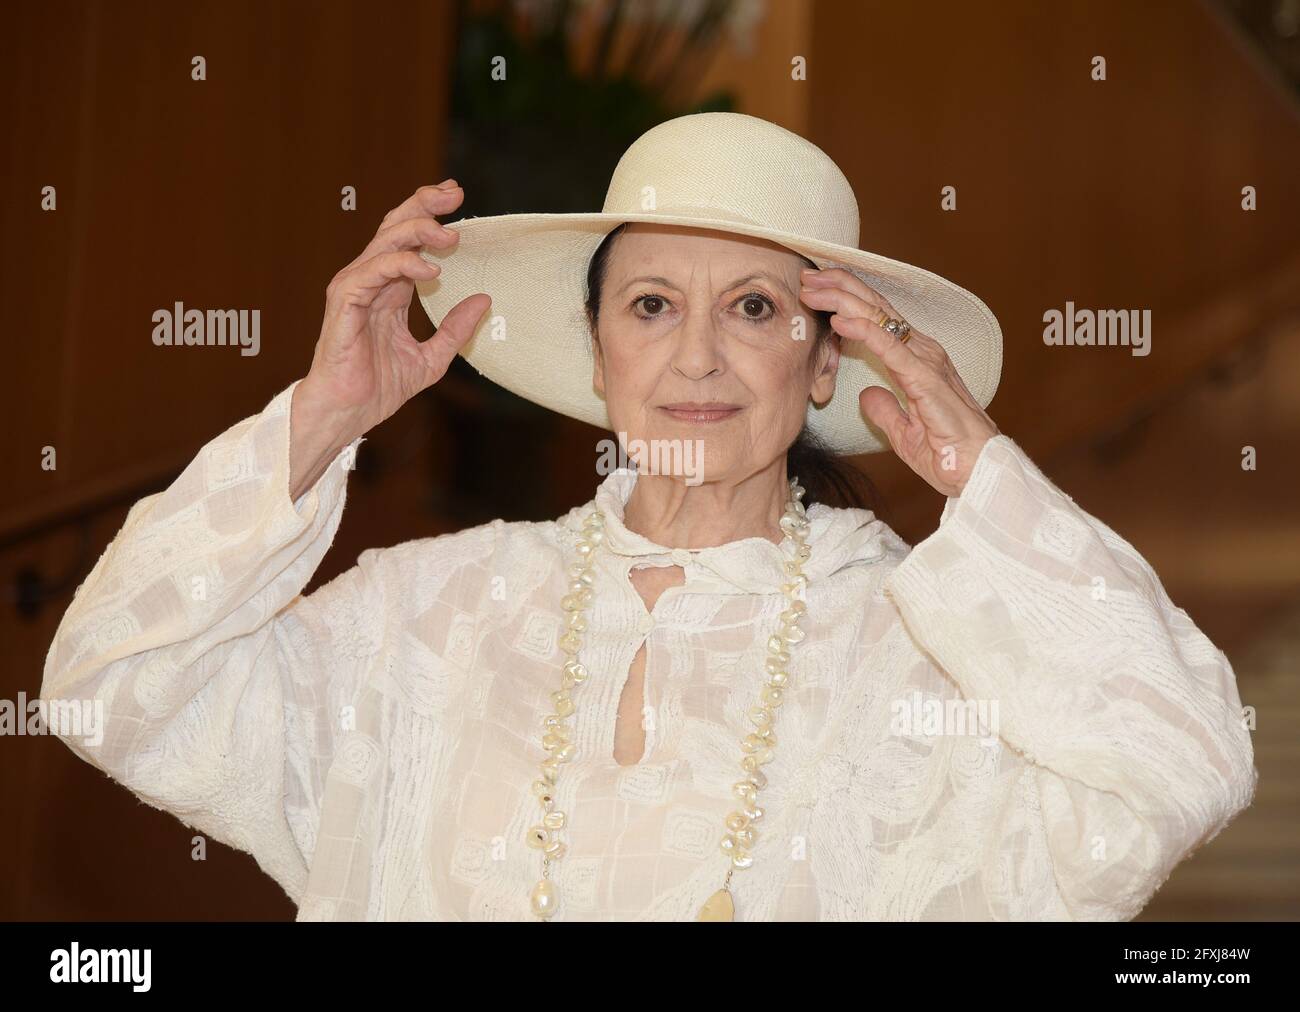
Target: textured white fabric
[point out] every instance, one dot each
(372, 744)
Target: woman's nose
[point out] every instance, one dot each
(697, 352)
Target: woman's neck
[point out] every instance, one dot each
(671, 513)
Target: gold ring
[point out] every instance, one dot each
(901, 329)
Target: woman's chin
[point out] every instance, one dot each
(689, 462)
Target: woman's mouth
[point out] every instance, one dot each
(696, 411)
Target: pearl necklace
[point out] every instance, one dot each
(557, 736)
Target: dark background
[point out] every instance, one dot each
(226, 193)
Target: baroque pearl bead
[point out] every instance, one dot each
(544, 897)
(718, 907)
(544, 793)
(538, 837)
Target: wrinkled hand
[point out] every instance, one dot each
(367, 364)
(941, 432)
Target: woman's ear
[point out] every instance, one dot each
(826, 367)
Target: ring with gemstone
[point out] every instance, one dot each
(901, 329)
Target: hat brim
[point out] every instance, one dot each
(534, 266)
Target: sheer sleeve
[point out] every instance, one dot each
(204, 681)
(1127, 716)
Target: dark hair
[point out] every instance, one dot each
(826, 478)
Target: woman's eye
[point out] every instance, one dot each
(756, 307)
(652, 304)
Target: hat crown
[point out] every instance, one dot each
(739, 169)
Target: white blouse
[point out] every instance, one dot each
(373, 744)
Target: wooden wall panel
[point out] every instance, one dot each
(221, 194)
(1119, 194)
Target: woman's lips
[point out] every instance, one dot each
(712, 412)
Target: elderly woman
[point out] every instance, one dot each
(703, 694)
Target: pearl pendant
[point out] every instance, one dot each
(545, 898)
(718, 907)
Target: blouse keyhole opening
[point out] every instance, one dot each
(650, 582)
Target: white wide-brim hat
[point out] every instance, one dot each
(715, 170)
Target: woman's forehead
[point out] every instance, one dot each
(644, 242)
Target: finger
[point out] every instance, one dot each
(922, 345)
(839, 277)
(456, 329)
(441, 199)
(847, 302)
(423, 203)
(411, 233)
(882, 408)
(854, 319)
(361, 284)
(842, 291)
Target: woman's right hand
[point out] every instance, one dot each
(367, 364)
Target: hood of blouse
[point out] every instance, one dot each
(838, 538)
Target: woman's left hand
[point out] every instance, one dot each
(942, 433)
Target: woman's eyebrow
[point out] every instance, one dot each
(758, 275)
(763, 275)
(647, 279)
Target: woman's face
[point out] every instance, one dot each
(693, 317)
